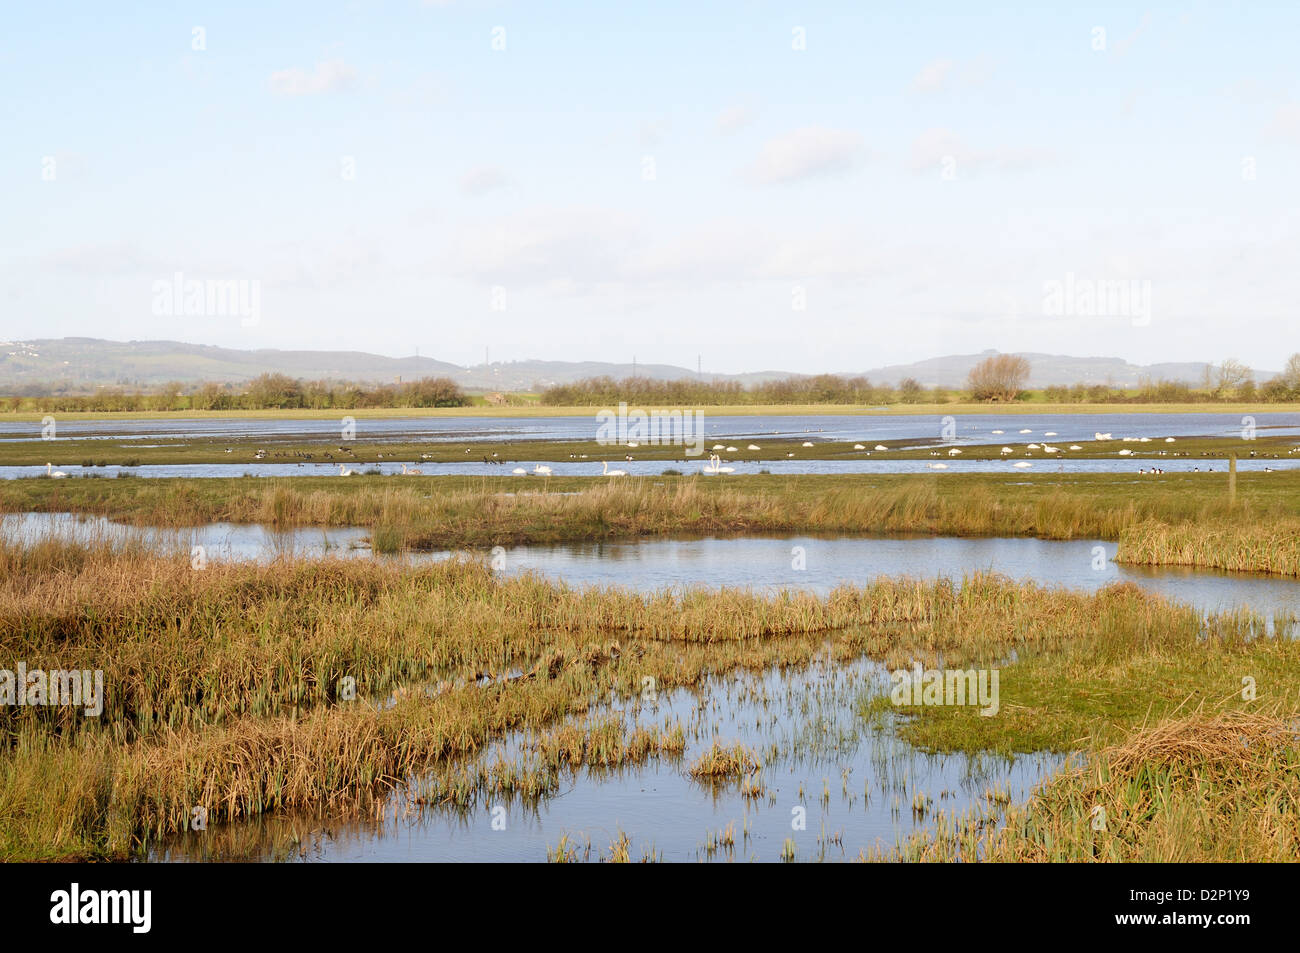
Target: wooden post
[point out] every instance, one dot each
(1232, 479)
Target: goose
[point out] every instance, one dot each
(411, 471)
(606, 471)
(753, 446)
(1022, 464)
(542, 468)
(858, 446)
(519, 471)
(344, 471)
(881, 446)
(51, 472)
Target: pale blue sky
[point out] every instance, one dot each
(779, 175)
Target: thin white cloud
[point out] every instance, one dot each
(735, 117)
(806, 153)
(933, 76)
(483, 179)
(330, 76)
(939, 148)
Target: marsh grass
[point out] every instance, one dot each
(1206, 786)
(223, 684)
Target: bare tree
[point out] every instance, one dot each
(1290, 375)
(1000, 377)
(1232, 375)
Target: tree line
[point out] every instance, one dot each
(999, 378)
(265, 392)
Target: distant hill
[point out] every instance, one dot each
(82, 364)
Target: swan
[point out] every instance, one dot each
(1126, 453)
(1007, 450)
(1075, 446)
(937, 466)
(344, 471)
(51, 472)
(411, 471)
(807, 443)
(997, 431)
(715, 465)
(1022, 464)
(731, 450)
(954, 452)
(1102, 436)
(1049, 433)
(1169, 439)
(1026, 430)
(606, 471)
(519, 471)
(542, 468)
(753, 446)
(881, 446)
(858, 446)
(1047, 449)
(718, 446)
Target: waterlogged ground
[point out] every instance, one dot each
(857, 786)
(815, 564)
(592, 468)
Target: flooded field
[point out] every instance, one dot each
(808, 563)
(833, 784)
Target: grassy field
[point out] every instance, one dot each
(223, 686)
(731, 410)
(1174, 519)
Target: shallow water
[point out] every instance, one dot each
(858, 784)
(876, 426)
(762, 563)
(1206, 467)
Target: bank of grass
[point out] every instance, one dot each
(1205, 786)
(223, 684)
(1184, 519)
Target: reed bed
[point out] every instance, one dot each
(223, 684)
(1200, 787)
(1272, 548)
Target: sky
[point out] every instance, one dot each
(754, 185)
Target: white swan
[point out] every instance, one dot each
(1101, 436)
(753, 446)
(51, 472)
(937, 466)
(954, 452)
(543, 469)
(858, 446)
(1022, 464)
(344, 471)
(807, 443)
(715, 465)
(881, 446)
(519, 471)
(411, 471)
(606, 471)
(1007, 450)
